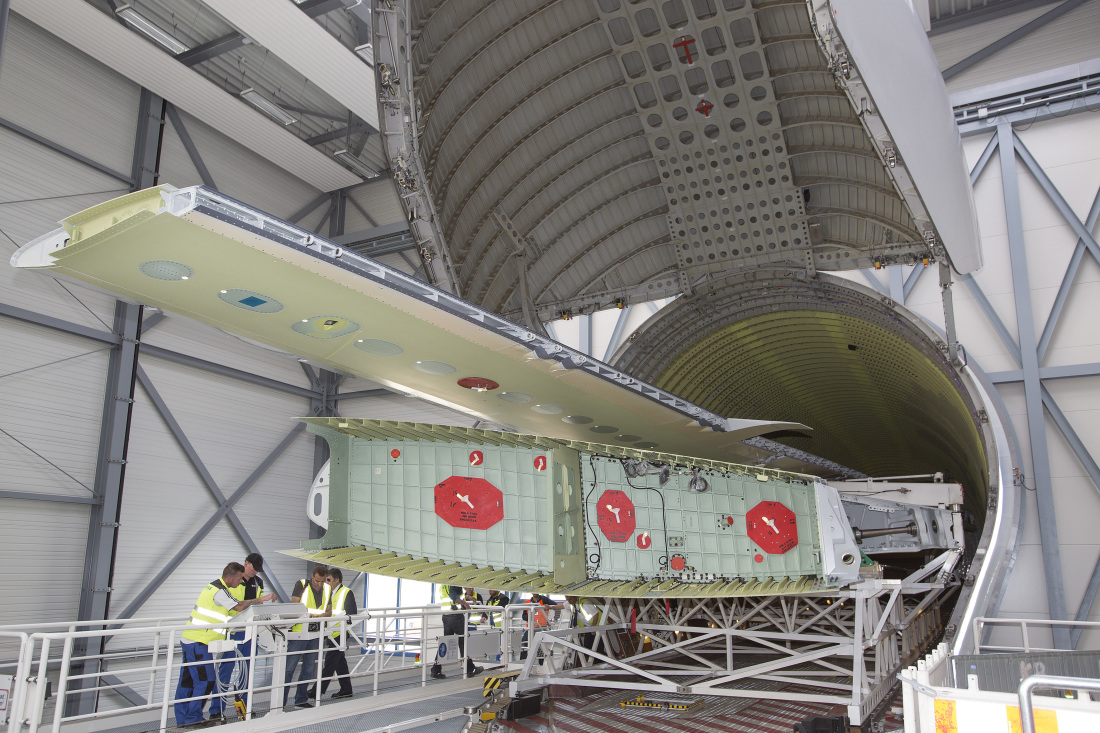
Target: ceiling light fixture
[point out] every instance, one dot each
(151, 30)
(345, 157)
(366, 52)
(268, 107)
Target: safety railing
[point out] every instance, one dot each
(1028, 629)
(119, 672)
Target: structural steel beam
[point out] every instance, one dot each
(226, 371)
(367, 235)
(148, 323)
(200, 468)
(872, 280)
(103, 519)
(1056, 197)
(60, 498)
(368, 217)
(211, 49)
(617, 333)
(911, 281)
(189, 146)
(1040, 459)
(337, 134)
(145, 169)
(225, 508)
(57, 324)
(1006, 41)
(5, 5)
(20, 130)
(1058, 372)
(983, 159)
(297, 215)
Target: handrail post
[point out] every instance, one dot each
(378, 631)
(169, 657)
(250, 693)
(18, 692)
(465, 643)
(423, 646)
(153, 665)
(40, 687)
(62, 684)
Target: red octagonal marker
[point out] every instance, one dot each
(615, 515)
(473, 503)
(772, 525)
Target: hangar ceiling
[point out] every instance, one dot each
(582, 152)
(606, 148)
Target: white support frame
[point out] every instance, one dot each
(844, 647)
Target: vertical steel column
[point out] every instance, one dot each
(150, 134)
(114, 439)
(1029, 362)
(103, 520)
(4, 7)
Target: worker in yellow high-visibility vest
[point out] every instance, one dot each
(316, 594)
(343, 605)
(214, 606)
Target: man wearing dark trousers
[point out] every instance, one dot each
(343, 604)
(455, 624)
(313, 592)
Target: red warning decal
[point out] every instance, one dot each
(615, 515)
(540, 463)
(473, 503)
(477, 458)
(772, 526)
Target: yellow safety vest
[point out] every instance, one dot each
(207, 613)
(495, 618)
(311, 607)
(238, 594)
(338, 599)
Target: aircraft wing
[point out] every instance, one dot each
(201, 254)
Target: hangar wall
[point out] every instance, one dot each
(53, 379)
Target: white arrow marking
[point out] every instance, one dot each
(467, 499)
(614, 510)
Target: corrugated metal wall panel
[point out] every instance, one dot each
(58, 441)
(378, 199)
(232, 426)
(45, 81)
(40, 540)
(32, 177)
(1066, 40)
(237, 171)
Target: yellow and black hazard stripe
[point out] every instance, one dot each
(641, 702)
(493, 682)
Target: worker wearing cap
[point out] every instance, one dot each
(197, 676)
(250, 588)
